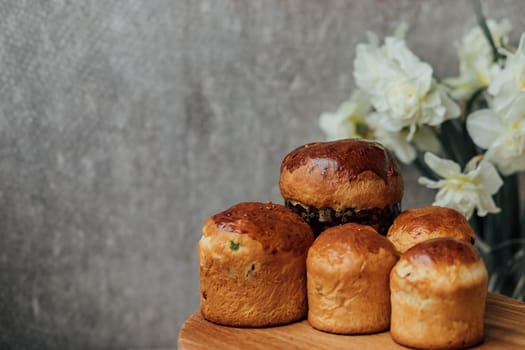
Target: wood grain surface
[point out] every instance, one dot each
(504, 329)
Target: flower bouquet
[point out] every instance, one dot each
(466, 134)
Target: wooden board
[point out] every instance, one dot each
(504, 329)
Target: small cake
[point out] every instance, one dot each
(332, 183)
(252, 266)
(348, 289)
(416, 225)
(438, 293)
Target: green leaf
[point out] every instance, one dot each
(476, 101)
(502, 232)
(456, 143)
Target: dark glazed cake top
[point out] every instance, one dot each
(351, 156)
(273, 225)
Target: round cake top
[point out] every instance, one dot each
(439, 264)
(351, 173)
(442, 253)
(352, 243)
(416, 225)
(276, 227)
(350, 156)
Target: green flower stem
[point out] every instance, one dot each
(513, 202)
(512, 218)
(490, 238)
(474, 101)
(467, 146)
(501, 228)
(476, 223)
(485, 28)
(510, 211)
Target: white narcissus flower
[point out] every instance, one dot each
(502, 134)
(509, 82)
(424, 138)
(462, 191)
(475, 59)
(401, 87)
(397, 143)
(349, 119)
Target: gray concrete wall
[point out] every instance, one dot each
(125, 124)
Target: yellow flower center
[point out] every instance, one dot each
(516, 135)
(459, 182)
(403, 98)
(359, 124)
(520, 75)
(406, 90)
(482, 78)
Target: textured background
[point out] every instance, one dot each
(125, 124)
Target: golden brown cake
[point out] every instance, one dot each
(416, 225)
(252, 266)
(438, 292)
(348, 288)
(352, 180)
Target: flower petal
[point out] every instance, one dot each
(484, 127)
(455, 200)
(428, 182)
(443, 167)
(426, 139)
(508, 83)
(421, 71)
(487, 177)
(475, 59)
(396, 141)
(486, 206)
(516, 110)
(452, 109)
